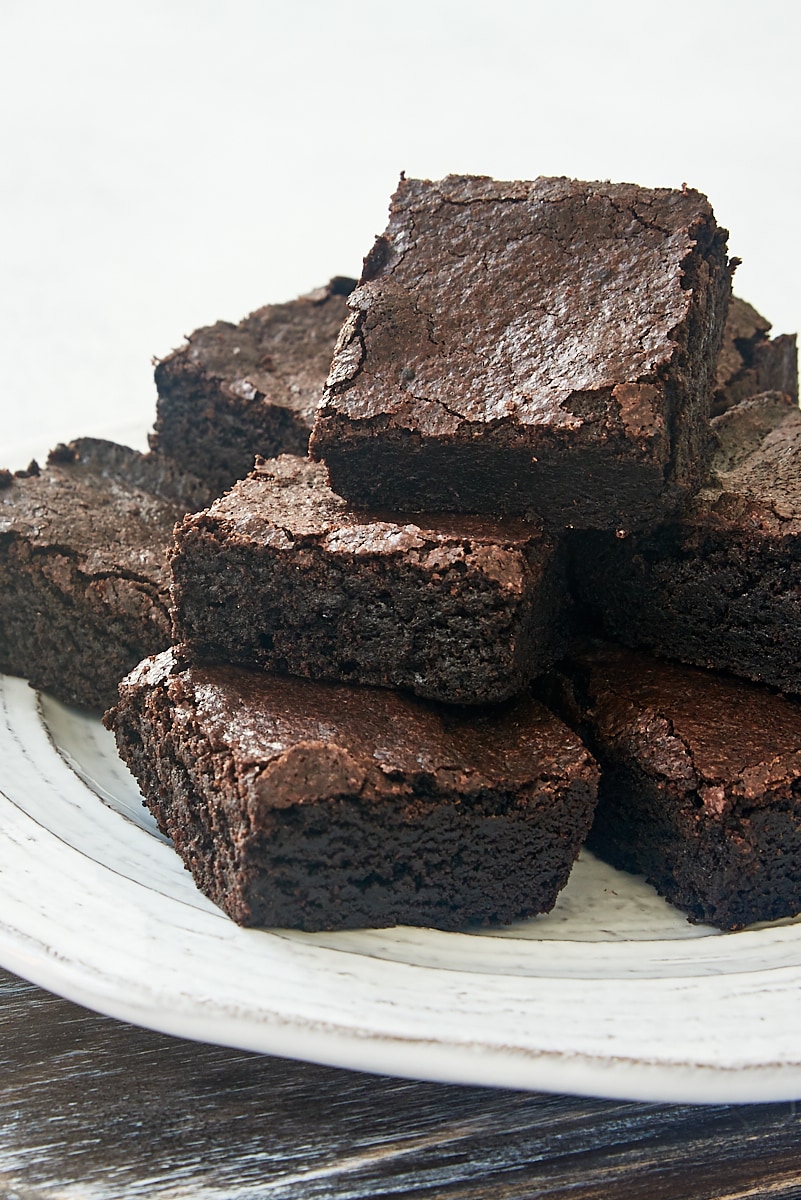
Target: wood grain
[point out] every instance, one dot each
(90, 1107)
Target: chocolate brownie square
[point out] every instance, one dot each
(323, 806)
(750, 362)
(720, 585)
(700, 782)
(519, 348)
(279, 572)
(83, 567)
(235, 391)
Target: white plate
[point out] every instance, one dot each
(613, 994)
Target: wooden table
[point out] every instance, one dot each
(93, 1108)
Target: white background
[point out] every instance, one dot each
(167, 162)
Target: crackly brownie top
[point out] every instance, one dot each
(724, 737)
(754, 480)
(488, 301)
(281, 351)
(286, 501)
(89, 502)
(310, 741)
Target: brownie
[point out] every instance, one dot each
(83, 568)
(518, 348)
(700, 782)
(750, 362)
(323, 806)
(279, 572)
(235, 391)
(719, 586)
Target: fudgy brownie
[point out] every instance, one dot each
(700, 782)
(720, 586)
(83, 567)
(518, 348)
(750, 362)
(280, 572)
(323, 806)
(235, 391)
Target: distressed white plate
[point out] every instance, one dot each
(613, 994)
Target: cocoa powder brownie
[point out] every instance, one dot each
(519, 348)
(700, 782)
(323, 806)
(83, 567)
(719, 586)
(235, 391)
(750, 362)
(279, 572)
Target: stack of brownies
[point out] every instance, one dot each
(513, 456)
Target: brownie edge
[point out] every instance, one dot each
(323, 806)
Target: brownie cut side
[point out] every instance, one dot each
(318, 806)
(541, 347)
(235, 391)
(750, 362)
(83, 566)
(280, 573)
(720, 585)
(700, 783)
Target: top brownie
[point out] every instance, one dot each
(517, 348)
(235, 391)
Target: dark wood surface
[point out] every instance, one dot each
(92, 1108)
